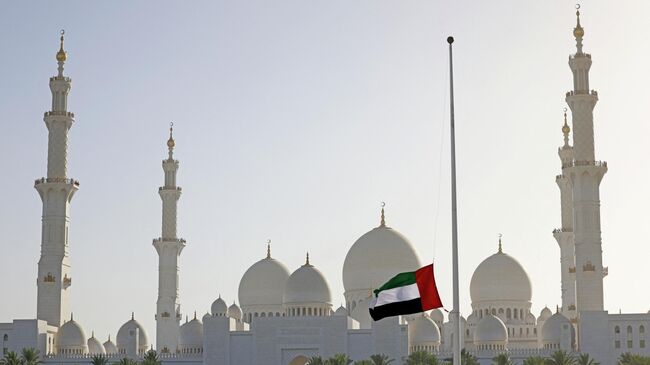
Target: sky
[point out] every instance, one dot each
(294, 120)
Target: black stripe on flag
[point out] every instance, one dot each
(397, 308)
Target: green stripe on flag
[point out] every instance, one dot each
(403, 279)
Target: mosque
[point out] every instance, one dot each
(285, 317)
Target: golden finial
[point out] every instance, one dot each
(500, 248)
(170, 142)
(565, 128)
(62, 55)
(307, 261)
(382, 223)
(268, 248)
(578, 32)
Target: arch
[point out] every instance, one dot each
(617, 330)
(508, 313)
(299, 360)
(5, 337)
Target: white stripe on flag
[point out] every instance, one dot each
(399, 294)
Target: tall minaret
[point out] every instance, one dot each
(564, 235)
(169, 248)
(56, 191)
(585, 174)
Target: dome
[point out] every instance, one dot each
(381, 245)
(219, 308)
(553, 327)
(234, 312)
(71, 335)
(530, 318)
(307, 285)
(545, 314)
(263, 283)
(437, 316)
(109, 346)
(341, 311)
(500, 278)
(123, 335)
(191, 334)
(206, 316)
(490, 330)
(94, 346)
(423, 331)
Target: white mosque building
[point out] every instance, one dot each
(285, 317)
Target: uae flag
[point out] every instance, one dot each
(406, 293)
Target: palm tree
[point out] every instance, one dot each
(30, 356)
(99, 360)
(338, 359)
(126, 361)
(381, 359)
(502, 359)
(534, 360)
(315, 360)
(632, 359)
(151, 358)
(561, 357)
(585, 359)
(363, 362)
(467, 359)
(11, 358)
(421, 358)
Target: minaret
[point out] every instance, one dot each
(564, 235)
(585, 174)
(169, 248)
(56, 191)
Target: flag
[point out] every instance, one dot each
(406, 293)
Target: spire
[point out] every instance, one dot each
(578, 31)
(109, 337)
(132, 316)
(92, 334)
(61, 55)
(382, 223)
(194, 314)
(71, 317)
(566, 130)
(268, 249)
(307, 261)
(186, 318)
(500, 247)
(170, 142)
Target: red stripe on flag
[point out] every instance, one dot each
(427, 286)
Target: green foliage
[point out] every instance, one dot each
(585, 359)
(338, 359)
(150, 358)
(502, 359)
(30, 356)
(633, 359)
(561, 357)
(422, 358)
(380, 359)
(11, 358)
(363, 362)
(99, 360)
(535, 360)
(467, 359)
(127, 361)
(315, 360)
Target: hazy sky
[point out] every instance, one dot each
(294, 120)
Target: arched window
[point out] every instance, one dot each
(494, 312)
(508, 313)
(516, 311)
(500, 310)
(617, 330)
(630, 340)
(641, 336)
(5, 337)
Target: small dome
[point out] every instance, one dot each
(553, 327)
(307, 285)
(94, 346)
(473, 319)
(341, 311)
(500, 278)
(490, 331)
(530, 318)
(123, 335)
(545, 314)
(191, 334)
(71, 336)
(234, 312)
(206, 316)
(219, 308)
(437, 316)
(109, 346)
(423, 331)
(263, 283)
(384, 245)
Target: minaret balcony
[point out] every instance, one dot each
(585, 163)
(562, 230)
(177, 188)
(581, 92)
(59, 113)
(59, 180)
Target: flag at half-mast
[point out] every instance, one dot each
(406, 293)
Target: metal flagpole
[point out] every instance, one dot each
(454, 221)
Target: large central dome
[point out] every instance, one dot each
(376, 257)
(500, 278)
(263, 283)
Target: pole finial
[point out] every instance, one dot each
(578, 31)
(566, 129)
(62, 55)
(268, 248)
(382, 222)
(170, 142)
(500, 247)
(450, 39)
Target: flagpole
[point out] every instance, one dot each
(454, 221)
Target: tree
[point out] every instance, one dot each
(561, 357)
(381, 359)
(534, 360)
(126, 361)
(632, 359)
(338, 359)
(363, 362)
(30, 356)
(422, 358)
(502, 359)
(99, 360)
(585, 359)
(11, 358)
(467, 359)
(151, 358)
(315, 360)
